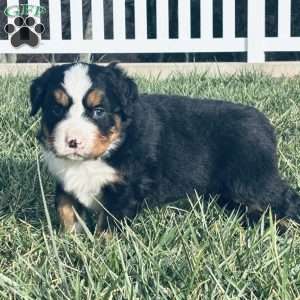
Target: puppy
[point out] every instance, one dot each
(111, 148)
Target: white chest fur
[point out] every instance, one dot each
(84, 179)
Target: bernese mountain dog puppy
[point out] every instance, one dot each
(110, 148)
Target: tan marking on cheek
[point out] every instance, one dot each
(100, 145)
(66, 212)
(61, 97)
(102, 142)
(95, 98)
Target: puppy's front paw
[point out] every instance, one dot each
(74, 228)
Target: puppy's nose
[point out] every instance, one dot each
(73, 143)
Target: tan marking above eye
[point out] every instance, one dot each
(61, 97)
(94, 98)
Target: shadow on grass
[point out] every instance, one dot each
(20, 196)
(20, 193)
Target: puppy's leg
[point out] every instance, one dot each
(284, 200)
(274, 193)
(102, 229)
(250, 174)
(120, 204)
(66, 206)
(101, 222)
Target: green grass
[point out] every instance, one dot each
(192, 252)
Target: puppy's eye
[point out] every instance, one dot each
(58, 110)
(98, 112)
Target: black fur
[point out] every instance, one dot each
(174, 145)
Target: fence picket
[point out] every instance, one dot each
(162, 19)
(256, 31)
(140, 14)
(206, 7)
(184, 19)
(284, 18)
(12, 3)
(228, 18)
(119, 19)
(76, 20)
(97, 19)
(35, 3)
(55, 20)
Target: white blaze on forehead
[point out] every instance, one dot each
(76, 83)
(75, 126)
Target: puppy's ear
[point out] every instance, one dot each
(123, 86)
(37, 90)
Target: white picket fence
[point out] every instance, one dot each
(256, 44)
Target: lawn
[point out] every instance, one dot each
(188, 251)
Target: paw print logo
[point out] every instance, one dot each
(24, 31)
